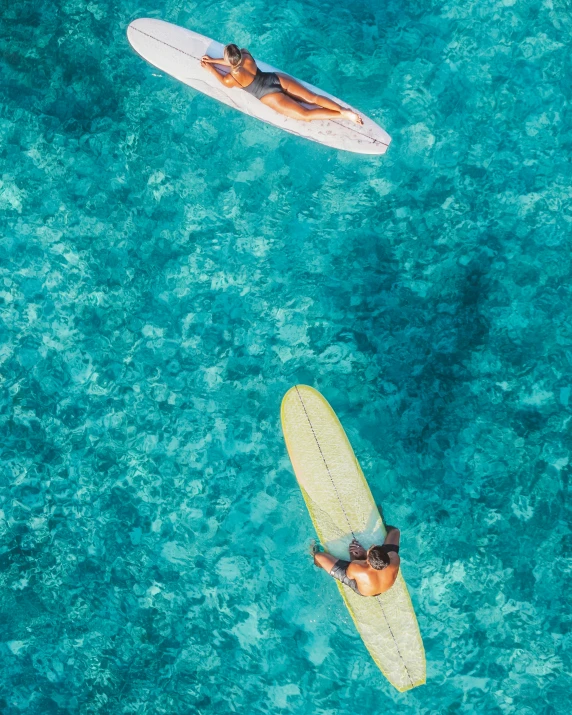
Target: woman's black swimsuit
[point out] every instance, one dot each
(340, 569)
(263, 83)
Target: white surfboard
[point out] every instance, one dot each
(177, 52)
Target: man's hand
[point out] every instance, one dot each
(357, 552)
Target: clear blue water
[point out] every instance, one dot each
(169, 268)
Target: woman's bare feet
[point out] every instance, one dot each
(357, 552)
(351, 116)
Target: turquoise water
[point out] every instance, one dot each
(170, 268)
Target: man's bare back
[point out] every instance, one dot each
(370, 572)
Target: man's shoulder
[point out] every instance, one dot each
(357, 568)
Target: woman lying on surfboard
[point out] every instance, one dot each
(278, 91)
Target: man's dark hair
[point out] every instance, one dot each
(378, 558)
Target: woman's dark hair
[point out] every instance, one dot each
(378, 558)
(233, 54)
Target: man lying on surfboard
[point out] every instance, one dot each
(368, 573)
(278, 91)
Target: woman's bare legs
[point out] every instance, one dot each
(283, 104)
(298, 91)
(289, 107)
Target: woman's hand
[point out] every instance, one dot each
(206, 60)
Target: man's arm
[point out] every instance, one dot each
(392, 539)
(393, 536)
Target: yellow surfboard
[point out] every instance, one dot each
(341, 505)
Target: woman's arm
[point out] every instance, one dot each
(215, 61)
(226, 79)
